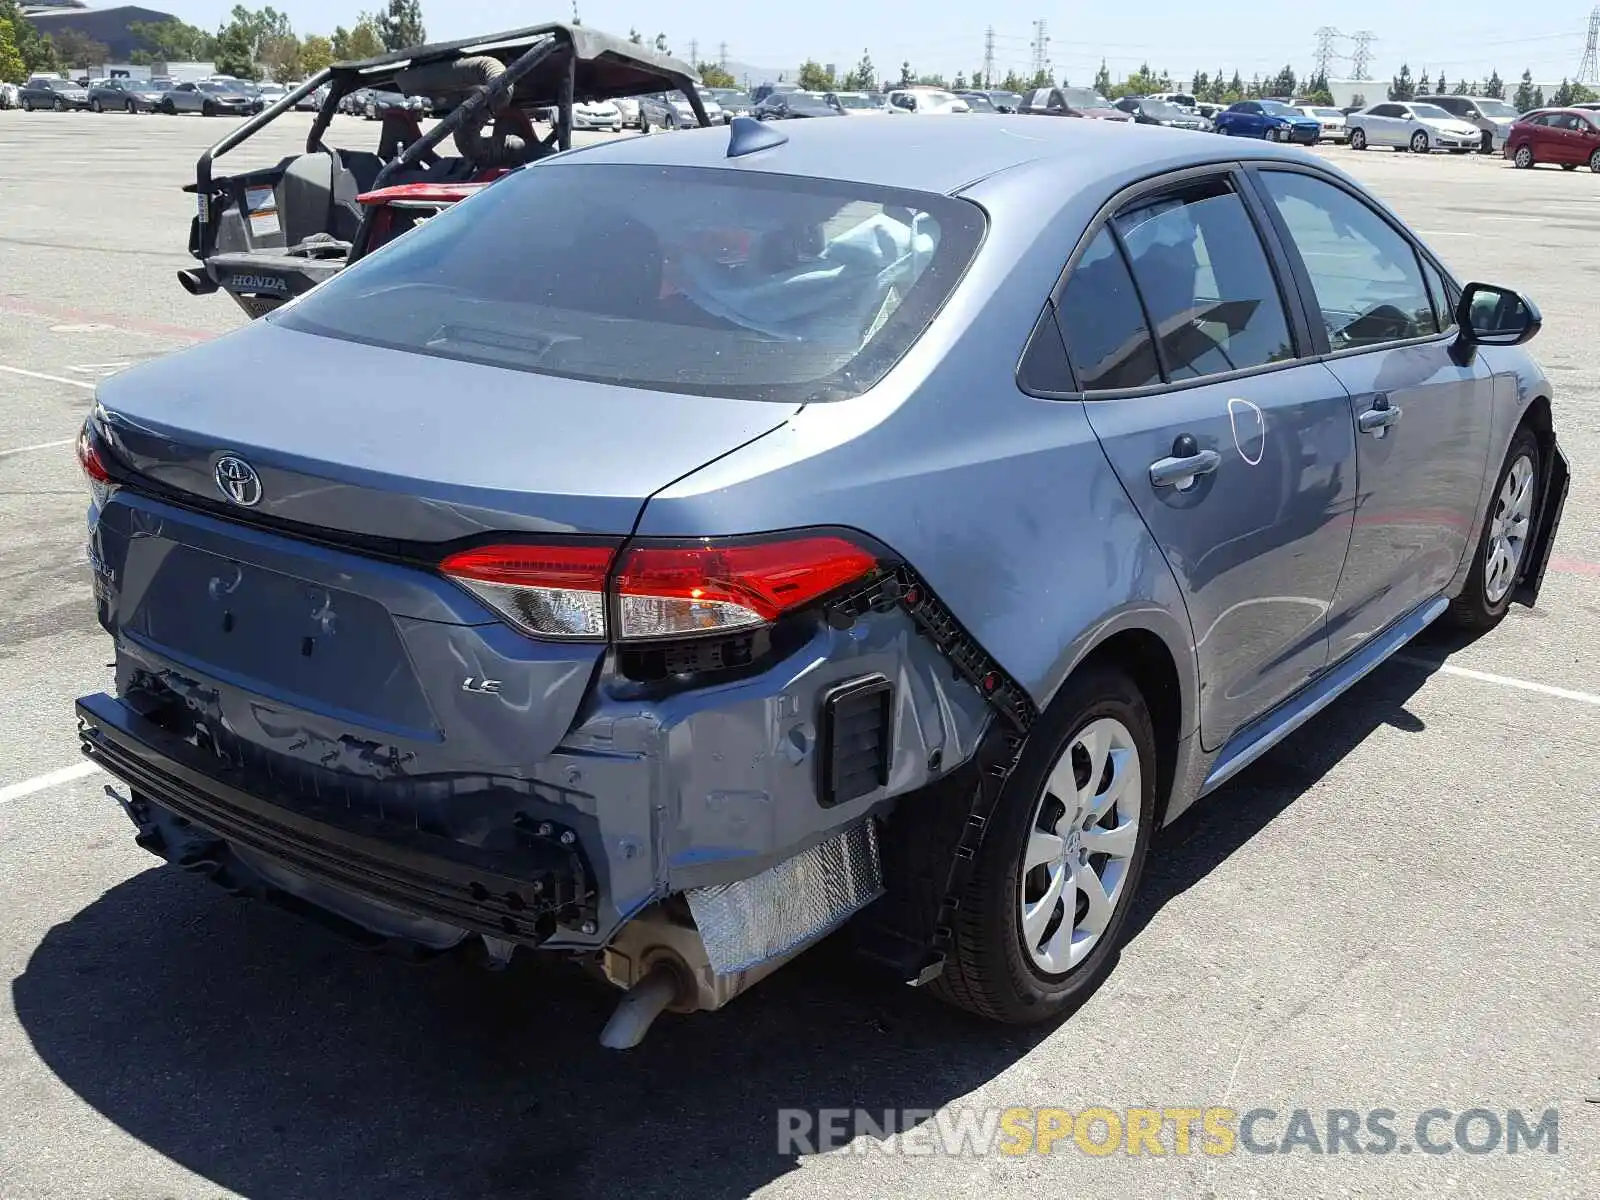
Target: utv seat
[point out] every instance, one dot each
(318, 208)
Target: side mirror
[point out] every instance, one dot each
(1496, 316)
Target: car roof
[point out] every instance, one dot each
(932, 154)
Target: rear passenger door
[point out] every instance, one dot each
(1423, 420)
(1237, 452)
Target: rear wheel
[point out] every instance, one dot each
(208, 109)
(1524, 156)
(1594, 162)
(27, 105)
(1507, 532)
(60, 105)
(94, 106)
(1358, 139)
(132, 107)
(1047, 904)
(1419, 142)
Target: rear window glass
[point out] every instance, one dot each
(706, 281)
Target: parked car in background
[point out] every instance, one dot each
(924, 101)
(1419, 128)
(1269, 120)
(734, 104)
(762, 90)
(788, 106)
(601, 115)
(9, 96)
(1564, 137)
(270, 93)
(1150, 111)
(1072, 102)
(209, 98)
(979, 102)
(1493, 118)
(354, 103)
(671, 110)
(126, 95)
(855, 104)
(52, 92)
(973, 510)
(1330, 120)
(999, 99)
(1182, 99)
(379, 101)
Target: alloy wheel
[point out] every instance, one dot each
(1083, 835)
(1524, 157)
(1419, 142)
(1358, 139)
(60, 105)
(1508, 530)
(1594, 162)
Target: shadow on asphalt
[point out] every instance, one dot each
(276, 1062)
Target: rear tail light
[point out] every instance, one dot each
(89, 459)
(554, 591)
(722, 587)
(658, 591)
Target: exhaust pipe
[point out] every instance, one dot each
(197, 283)
(661, 987)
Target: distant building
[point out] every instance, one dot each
(108, 26)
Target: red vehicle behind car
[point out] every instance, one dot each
(1567, 137)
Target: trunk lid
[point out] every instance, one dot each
(381, 443)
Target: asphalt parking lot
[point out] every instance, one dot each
(1395, 910)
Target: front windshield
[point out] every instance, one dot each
(1495, 108)
(1333, 113)
(1431, 112)
(1085, 98)
(1274, 109)
(705, 281)
(846, 100)
(1009, 99)
(214, 87)
(805, 102)
(734, 100)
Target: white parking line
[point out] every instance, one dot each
(1506, 681)
(77, 383)
(16, 791)
(37, 446)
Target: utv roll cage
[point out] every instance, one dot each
(268, 235)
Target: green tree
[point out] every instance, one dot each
(1425, 84)
(1235, 89)
(316, 52)
(400, 25)
(907, 76)
(661, 44)
(635, 37)
(1285, 84)
(38, 52)
(1403, 86)
(1538, 97)
(1013, 83)
(1199, 85)
(1041, 79)
(959, 83)
(1461, 88)
(173, 41)
(935, 80)
(1317, 90)
(283, 56)
(1523, 100)
(863, 77)
(363, 41)
(1494, 87)
(1102, 79)
(1583, 95)
(1141, 83)
(12, 68)
(235, 54)
(979, 79)
(713, 75)
(814, 77)
(79, 49)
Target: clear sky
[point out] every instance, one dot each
(1465, 37)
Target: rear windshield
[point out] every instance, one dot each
(706, 281)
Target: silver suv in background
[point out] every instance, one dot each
(1493, 118)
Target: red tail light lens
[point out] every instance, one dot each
(552, 591)
(89, 458)
(717, 587)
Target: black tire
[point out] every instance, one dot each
(1594, 162)
(1419, 142)
(1473, 610)
(60, 105)
(644, 123)
(94, 106)
(989, 971)
(1358, 139)
(132, 108)
(1522, 157)
(208, 109)
(27, 104)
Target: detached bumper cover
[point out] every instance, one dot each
(1557, 481)
(516, 896)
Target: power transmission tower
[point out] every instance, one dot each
(1041, 49)
(1324, 51)
(988, 57)
(694, 52)
(722, 55)
(1589, 69)
(1361, 56)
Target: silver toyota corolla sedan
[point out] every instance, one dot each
(687, 546)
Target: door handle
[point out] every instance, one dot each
(1377, 419)
(1185, 465)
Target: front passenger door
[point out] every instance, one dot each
(1238, 454)
(1424, 420)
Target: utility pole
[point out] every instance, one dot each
(1041, 49)
(722, 55)
(988, 57)
(694, 52)
(1589, 68)
(1324, 51)
(1361, 56)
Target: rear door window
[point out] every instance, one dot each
(1206, 281)
(705, 281)
(1103, 323)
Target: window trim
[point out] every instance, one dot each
(1319, 335)
(1279, 264)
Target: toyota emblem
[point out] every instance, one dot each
(237, 480)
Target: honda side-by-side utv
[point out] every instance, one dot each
(267, 236)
